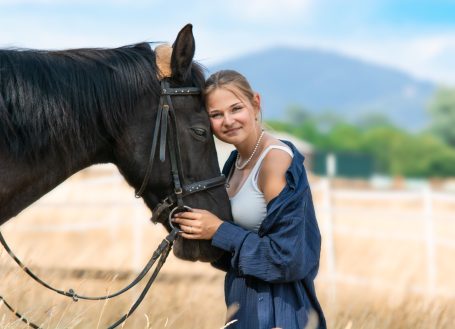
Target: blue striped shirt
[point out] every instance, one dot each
(270, 274)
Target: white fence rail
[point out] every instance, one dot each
(110, 220)
(328, 209)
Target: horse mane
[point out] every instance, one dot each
(61, 101)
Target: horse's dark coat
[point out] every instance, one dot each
(60, 101)
(62, 111)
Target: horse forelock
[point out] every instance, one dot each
(163, 54)
(64, 100)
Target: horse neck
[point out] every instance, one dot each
(23, 183)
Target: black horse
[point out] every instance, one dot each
(62, 111)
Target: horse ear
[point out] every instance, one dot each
(183, 52)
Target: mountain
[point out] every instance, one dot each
(320, 80)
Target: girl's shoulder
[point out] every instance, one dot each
(275, 163)
(277, 151)
(277, 159)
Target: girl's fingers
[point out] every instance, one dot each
(189, 236)
(196, 210)
(185, 228)
(189, 232)
(186, 214)
(189, 229)
(183, 221)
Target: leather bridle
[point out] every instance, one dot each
(166, 121)
(166, 124)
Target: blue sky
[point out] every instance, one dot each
(416, 36)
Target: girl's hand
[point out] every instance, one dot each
(198, 224)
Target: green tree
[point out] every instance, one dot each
(443, 164)
(395, 151)
(344, 137)
(371, 120)
(327, 120)
(442, 112)
(382, 143)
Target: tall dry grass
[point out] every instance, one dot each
(174, 301)
(184, 302)
(190, 295)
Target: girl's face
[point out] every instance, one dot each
(233, 119)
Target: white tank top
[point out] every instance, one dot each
(248, 205)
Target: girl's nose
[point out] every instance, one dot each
(227, 120)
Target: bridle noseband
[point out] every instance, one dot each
(166, 121)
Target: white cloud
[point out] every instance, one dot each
(237, 30)
(426, 56)
(263, 10)
(430, 47)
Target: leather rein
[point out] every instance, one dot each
(165, 122)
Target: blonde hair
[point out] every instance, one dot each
(234, 82)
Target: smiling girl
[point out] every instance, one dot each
(273, 245)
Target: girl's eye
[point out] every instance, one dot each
(215, 115)
(236, 109)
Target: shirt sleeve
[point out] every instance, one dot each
(288, 252)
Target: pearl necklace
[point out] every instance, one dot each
(240, 167)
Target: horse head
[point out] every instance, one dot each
(173, 137)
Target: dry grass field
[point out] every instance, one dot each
(92, 235)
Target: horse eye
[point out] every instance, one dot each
(200, 132)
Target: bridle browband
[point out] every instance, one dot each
(166, 121)
(166, 124)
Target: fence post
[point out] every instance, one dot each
(430, 240)
(329, 240)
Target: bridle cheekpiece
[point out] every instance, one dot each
(165, 135)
